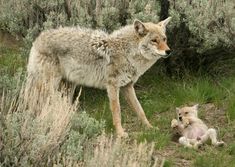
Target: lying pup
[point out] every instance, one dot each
(193, 131)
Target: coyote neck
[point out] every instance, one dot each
(127, 52)
(125, 42)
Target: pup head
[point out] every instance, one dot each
(187, 112)
(153, 40)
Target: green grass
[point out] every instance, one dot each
(161, 140)
(167, 163)
(11, 60)
(212, 158)
(12, 68)
(159, 95)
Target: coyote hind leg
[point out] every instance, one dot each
(212, 135)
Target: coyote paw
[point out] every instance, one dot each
(174, 123)
(122, 134)
(185, 121)
(188, 146)
(149, 126)
(197, 145)
(219, 144)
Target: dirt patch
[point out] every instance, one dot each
(213, 116)
(216, 118)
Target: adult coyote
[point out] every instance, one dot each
(94, 58)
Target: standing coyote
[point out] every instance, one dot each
(94, 58)
(193, 130)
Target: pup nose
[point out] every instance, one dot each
(168, 52)
(180, 118)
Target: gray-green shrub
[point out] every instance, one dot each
(211, 23)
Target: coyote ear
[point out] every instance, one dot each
(163, 23)
(177, 109)
(140, 28)
(196, 106)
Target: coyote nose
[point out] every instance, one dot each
(168, 52)
(180, 118)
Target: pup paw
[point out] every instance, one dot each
(185, 121)
(174, 123)
(219, 144)
(197, 145)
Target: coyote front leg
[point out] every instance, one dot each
(132, 100)
(113, 94)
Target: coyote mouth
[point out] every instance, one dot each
(165, 56)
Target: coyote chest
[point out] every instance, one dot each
(127, 69)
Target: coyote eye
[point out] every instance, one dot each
(186, 113)
(164, 39)
(154, 40)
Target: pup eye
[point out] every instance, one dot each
(154, 40)
(186, 112)
(164, 39)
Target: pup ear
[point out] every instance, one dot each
(140, 28)
(177, 110)
(196, 107)
(163, 23)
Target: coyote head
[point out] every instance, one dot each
(153, 40)
(187, 112)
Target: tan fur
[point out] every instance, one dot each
(163, 46)
(94, 58)
(193, 130)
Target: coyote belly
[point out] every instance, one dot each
(96, 59)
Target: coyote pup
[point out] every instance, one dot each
(194, 132)
(94, 58)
